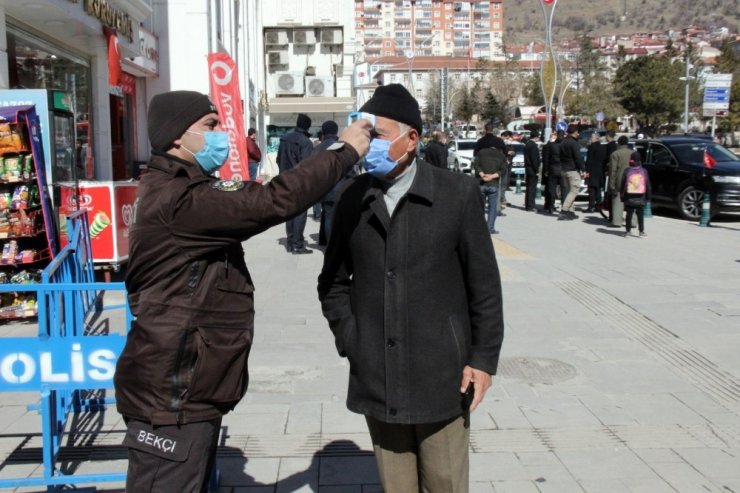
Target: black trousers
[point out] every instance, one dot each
(553, 180)
(639, 211)
(163, 459)
(294, 230)
(594, 196)
(530, 191)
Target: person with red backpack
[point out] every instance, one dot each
(635, 193)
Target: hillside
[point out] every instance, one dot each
(524, 21)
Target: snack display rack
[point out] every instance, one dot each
(26, 230)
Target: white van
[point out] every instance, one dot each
(466, 131)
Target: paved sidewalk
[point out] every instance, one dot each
(619, 371)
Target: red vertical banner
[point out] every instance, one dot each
(224, 79)
(114, 57)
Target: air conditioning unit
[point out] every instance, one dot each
(304, 37)
(277, 57)
(331, 36)
(320, 86)
(288, 83)
(276, 38)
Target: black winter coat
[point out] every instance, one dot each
(570, 155)
(596, 164)
(414, 299)
(295, 146)
(185, 358)
(531, 158)
(436, 154)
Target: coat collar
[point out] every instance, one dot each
(422, 187)
(175, 166)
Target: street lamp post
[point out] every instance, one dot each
(687, 79)
(549, 72)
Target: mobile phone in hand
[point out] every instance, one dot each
(468, 396)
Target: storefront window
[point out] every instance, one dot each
(37, 64)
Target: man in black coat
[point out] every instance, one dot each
(421, 326)
(551, 164)
(595, 158)
(295, 146)
(489, 140)
(531, 169)
(572, 167)
(436, 153)
(329, 130)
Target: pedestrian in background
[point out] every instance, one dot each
(488, 166)
(295, 146)
(421, 327)
(572, 167)
(436, 153)
(184, 364)
(619, 161)
(254, 154)
(635, 193)
(595, 158)
(531, 169)
(329, 130)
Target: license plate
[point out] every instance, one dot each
(518, 171)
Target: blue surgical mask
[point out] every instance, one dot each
(214, 152)
(378, 162)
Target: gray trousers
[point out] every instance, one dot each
(618, 211)
(424, 458)
(573, 178)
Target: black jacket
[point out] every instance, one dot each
(531, 158)
(490, 140)
(551, 158)
(295, 146)
(595, 164)
(410, 317)
(436, 154)
(570, 155)
(185, 358)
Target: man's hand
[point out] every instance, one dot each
(358, 136)
(481, 382)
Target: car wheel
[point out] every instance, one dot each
(690, 202)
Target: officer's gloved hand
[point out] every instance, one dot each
(358, 136)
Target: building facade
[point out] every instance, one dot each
(66, 45)
(468, 28)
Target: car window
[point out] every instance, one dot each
(719, 153)
(466, 146)
(642, 149)
(660, 153)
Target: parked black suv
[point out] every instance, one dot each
(679, 177)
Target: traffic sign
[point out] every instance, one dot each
(716, 93)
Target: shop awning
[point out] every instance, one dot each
(310, 105)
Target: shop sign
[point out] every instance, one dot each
(110, 16)
(148, 59)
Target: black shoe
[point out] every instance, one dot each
(501, 214)
(563, 216)
(301, 251)
(572, 215)
(589, 210)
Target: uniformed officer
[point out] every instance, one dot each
(185, 360)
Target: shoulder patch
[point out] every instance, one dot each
(228, 185)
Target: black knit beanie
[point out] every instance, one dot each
(303, 122)
(395, 102)
(171, 113)
(329, 127)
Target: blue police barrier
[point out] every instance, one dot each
(69, 356)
